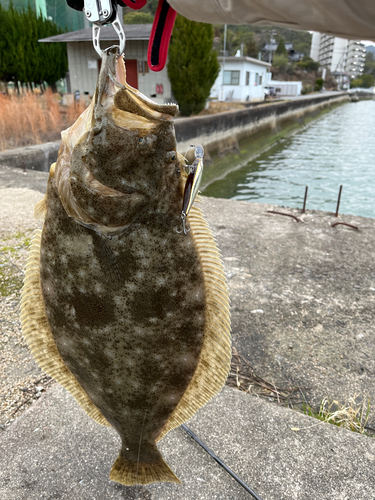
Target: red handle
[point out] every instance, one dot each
(134, 4)
(160, 35)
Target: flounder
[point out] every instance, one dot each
(124, 309)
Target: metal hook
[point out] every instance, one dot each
(119, 30)
(184, 230)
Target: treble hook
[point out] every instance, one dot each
(184, 230)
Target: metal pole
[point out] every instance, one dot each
(224, 51)
(304, 201)
(338, 203)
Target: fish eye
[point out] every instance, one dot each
(171, 156)
(141, 140)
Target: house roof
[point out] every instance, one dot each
(244, 58)
(132, 32)
(273, 46)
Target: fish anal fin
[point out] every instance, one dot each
(215, 357)
(127, 472)
(37, 333)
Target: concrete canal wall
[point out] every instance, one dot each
(38, 157)
(233, 138)
(230, 139)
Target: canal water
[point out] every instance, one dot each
(338, 148)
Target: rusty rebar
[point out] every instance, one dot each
(304, 201)
(283, 213)
(344, 224)
(338, 202)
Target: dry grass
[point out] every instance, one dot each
(243, 378)
(221, 107)
(33, 119)
(353, 415)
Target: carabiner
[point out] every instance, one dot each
(119, 30)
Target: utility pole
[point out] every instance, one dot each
(272, 40)
(224, 51)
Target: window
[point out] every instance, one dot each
(247, 78)
(260, 80)
(231, 78)
(142, 67)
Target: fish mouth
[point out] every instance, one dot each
(97, 173)
(131, 106)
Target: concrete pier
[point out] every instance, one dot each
(303, 308)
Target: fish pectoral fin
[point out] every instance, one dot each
(40, 209)
(130, 472)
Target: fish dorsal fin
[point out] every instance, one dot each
(214, 361)
(37, 333)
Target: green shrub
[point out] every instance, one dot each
(307, 89)
(280, 62)
(308, 64)
(136, 17)
(319, 84)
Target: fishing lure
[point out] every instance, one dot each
(192, 185)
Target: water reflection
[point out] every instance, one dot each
(339, 148)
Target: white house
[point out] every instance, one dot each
(241, 79)
(285, 88)
(84, 62)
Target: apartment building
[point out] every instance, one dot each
(355, 59)
(338, 55)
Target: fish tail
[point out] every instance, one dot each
(130, 472)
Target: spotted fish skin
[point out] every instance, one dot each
(126, 311)
(127, 315)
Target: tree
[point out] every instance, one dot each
(308, 64)
(302, 47)
(136, 17)
(364, 81)
(281, 50)
(280, 62)
(22, 58)
(251, 48)
(369, 64)
(193, 66)
(319, 84)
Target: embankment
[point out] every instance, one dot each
(233, 138)
(230, 139)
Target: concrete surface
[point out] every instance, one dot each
(303, 298)
(54, 451)
(20, 191)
